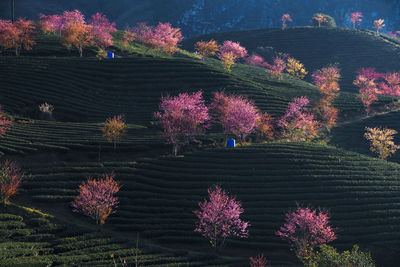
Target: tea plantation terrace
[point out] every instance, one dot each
(159, 195)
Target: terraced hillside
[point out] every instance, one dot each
(31, 238)
(33, 136)
(90, 89)
(351, 135)
(318, 47)
(159, 195)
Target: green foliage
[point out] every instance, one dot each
(327, 256)
(330, 21)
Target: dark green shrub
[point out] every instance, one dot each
(330, 21)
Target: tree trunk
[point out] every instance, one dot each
(16, 51)
(115, 145)
(175, 148)
(81, 51)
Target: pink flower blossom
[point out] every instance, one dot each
(236, 114)
(101, 30)
(356, 18)
(96, 198)
(305, 227)
(182, 117)
(219, 217)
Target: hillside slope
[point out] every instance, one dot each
(350, 136)
(159, 195)
(319, 47)
(32, 238)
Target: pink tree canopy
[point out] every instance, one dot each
(5, 124)
(235, 48)
(305, 227)
(96, 198)
(162, 37)
(277, 67)
(356, 18)
(298, 123)
(182, 117)
(101, 30)
(367, 83)
(255, 60)
(236, 114)
(284, 19)
(219, 217)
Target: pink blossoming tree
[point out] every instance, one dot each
(284, 19)
(236, 114)
(51, 23)
(96, 198)
(17, 35)
(101, 30)
(5, 124)
(366, 81)
(182, 117)
(162, 37)
(277, 67)
(356, 18)
(10, 180)
(230, 52)
(255, 60)
(298, 124)
(219, 218)
(390, 86)
(305, 228)
(259, 261)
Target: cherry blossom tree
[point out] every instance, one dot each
(320, 19)
(381, 140)
(162, 37)
(366, 81)
(327, 81)
(51, 23)
(235, 48)
(56, 23)
(356, 18)
(255, 60)
(259, 261)
(182, 117)
(298, 124)
(236, 114)
(277, 67)
(284, 19)
(5, 124)
(10, 180)
(96, 198)
(230, 53)
(101, 30)
(219, 217)
(390, 86)
(17, 35)
(305, 228)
